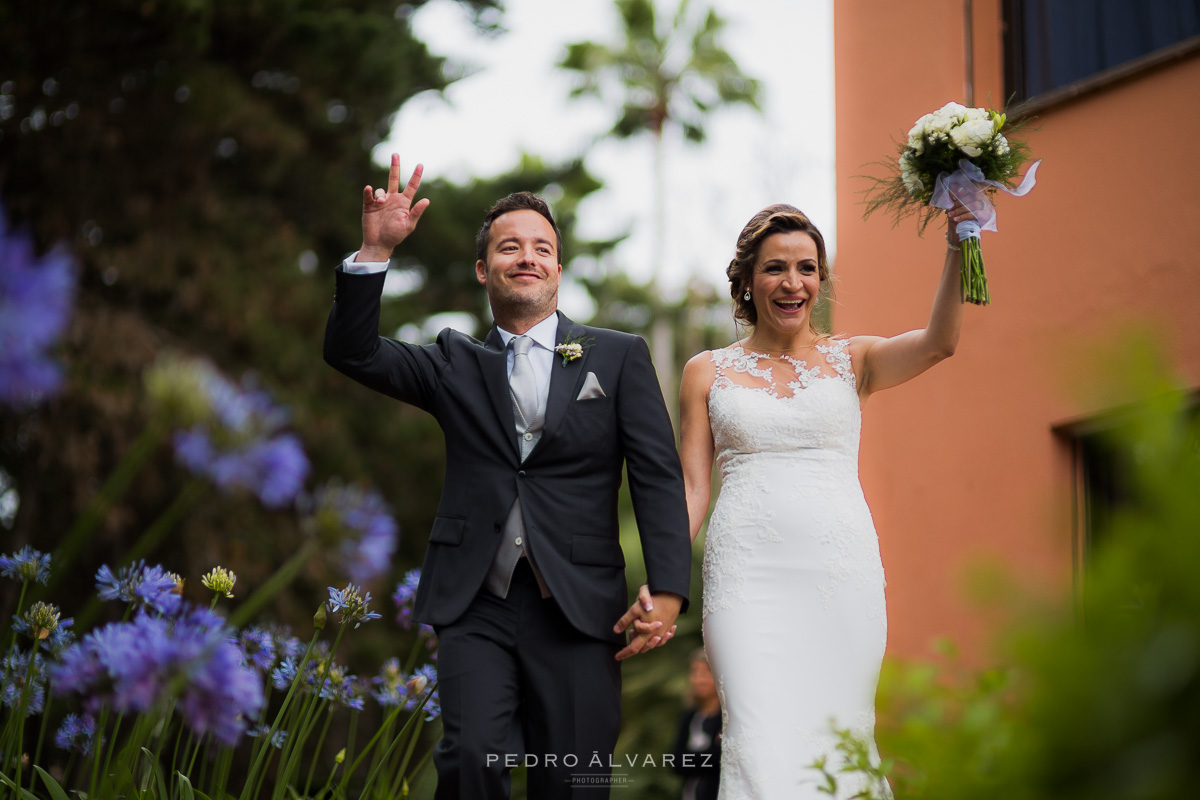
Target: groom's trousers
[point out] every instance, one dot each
(520, 685)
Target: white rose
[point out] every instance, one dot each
(977, 113)
(916, 143)
(971, 136)
(941, 123)
(920, 125)
(952, 110)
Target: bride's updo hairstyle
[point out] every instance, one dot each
(780, 218)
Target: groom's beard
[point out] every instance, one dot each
(508, 302)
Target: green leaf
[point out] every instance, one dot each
(25, 793)
(52, 786)
(159, 780)
(185, 787)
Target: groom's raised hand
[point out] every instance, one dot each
(388, 217)
(648, 618)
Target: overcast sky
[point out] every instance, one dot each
(517, 101)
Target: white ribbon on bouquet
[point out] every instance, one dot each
(968, 186)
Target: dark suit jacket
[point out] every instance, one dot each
(568, 484)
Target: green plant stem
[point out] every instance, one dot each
(295, 744)
(316, 756)
(17, 720)
(386, 727)
(399, 737)
(398, 779)
(257, 771)
(37, 750)
(113, 489)
(273, 585)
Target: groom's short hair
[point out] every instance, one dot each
(517, 201)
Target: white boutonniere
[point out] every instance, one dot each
(572, 349)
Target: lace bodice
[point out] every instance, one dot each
(757, 408)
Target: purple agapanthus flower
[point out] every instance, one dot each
(277, 741)
(389, 686)
(190, 657)
(405, 596)
(361, 519)
(26, 564)
(433, 708)
(150, 586)
(36, 295)
(240, 446)
(15, 671)
(258, 648)
(77, 733)
(284, 675)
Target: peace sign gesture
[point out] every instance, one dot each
(388, 217)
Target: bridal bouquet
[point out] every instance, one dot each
(955, 154)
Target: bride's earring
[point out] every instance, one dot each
(746, 296)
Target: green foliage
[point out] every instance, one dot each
(675, 74)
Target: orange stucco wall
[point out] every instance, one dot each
(960, 465)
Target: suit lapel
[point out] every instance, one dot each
(494, 366)
(564, 381)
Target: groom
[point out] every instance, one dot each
(524, 574)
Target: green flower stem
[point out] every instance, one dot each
(398, 778)
(325, 789)
(12, 649)
(384, 731)
(312, 766)
(420, 767)
(15, 733)
(974, 279)
(273, 585)
(353, 735)
(100, 774)
(416, 715)
(221, 777)
(37, 750)
(289, 760)
(257, 771)
(114, 488)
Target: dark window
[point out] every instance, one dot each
(1104, 457)
(1050, 44)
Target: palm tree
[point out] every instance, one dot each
(669, 80)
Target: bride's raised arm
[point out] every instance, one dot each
(884, 362)
(696, 438)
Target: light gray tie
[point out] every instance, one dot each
(523, 386)
(528, 414)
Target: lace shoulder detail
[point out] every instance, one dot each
(836, 356)
(737, 360)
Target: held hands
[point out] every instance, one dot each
(388, 217)
(649, 617)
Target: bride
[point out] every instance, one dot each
(794, 615)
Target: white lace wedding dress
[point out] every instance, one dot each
(794, 616)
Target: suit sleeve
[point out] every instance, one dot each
(354, 347)
(655, 475)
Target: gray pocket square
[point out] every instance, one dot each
(591, 388)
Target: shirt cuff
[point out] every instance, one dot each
(362, 267)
